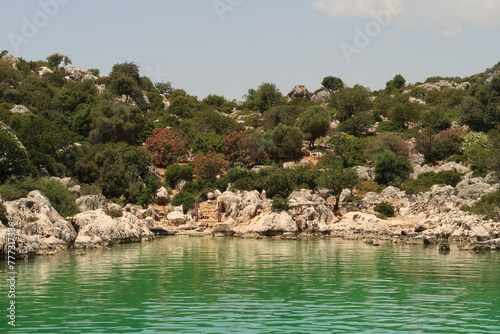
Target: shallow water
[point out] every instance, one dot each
(207, 285)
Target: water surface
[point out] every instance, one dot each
(208, 285)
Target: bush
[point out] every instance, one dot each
(59, 196)
(166, 146)
(145, 194)
(279, 204)
(211, 142)
(246, 183)
(370, 186)
(391, 169)
(440, 146)
(426, 180)
(184, 198)
(90, 189)
(488, 206)
(385, 209)
(114, 213)
(208, 166)
(388, 126)
(176, 173)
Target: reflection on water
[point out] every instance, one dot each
(207, 285)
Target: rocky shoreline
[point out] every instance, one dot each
(432, 217)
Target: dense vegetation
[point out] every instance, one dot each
(106, 133)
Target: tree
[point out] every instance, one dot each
(129, 69)
(56, 59)
(208, 166)
(336, 178)
(314, 123)
(332, 83)
(122, 84)
(404, 113)
(166, 146)
(13, 157)
(287, 143)
(351, 101)
(391, 169)
(164, 88)
(474, 114)
(264, 98)
(397, 82)
(115, 122)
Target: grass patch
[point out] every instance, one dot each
(426, 180)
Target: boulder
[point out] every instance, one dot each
(34, 216)
(222, 229)
(234, 204)
(321, 96)
(20, 109)
(299, 91)
(474, 190)
(176, 218)
(14, 60)
(76, 189)
(269, 224)
(393, 193)
(26, 246)
(372, 198)
(162, 196)
(97, 229)
(365, 173)
(64, 180)
(91, 202)
(43, 70)
(78, 74)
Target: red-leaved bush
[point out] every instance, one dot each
(208, 166)
(166, 146)
(241, 148)
(440, 146)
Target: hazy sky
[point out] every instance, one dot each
(226, 47)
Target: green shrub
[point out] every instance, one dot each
(370, 186)
(426, 180)
(391, 169)
(388, 126)
(145, 194)
(90, 189)
(32, 219)
(59, 196)
(176, 173)
(184, 198)
(245, 183)
(114, 213)
(279, 203)
(385, 209)
(488, 206)
(352, 198)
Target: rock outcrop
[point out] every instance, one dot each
(91, 202)
(299, 91)
(321, 96)
(97, 229)
(39, 225)
(78, 74)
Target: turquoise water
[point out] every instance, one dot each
(206, 285)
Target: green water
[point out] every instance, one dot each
(206, 285)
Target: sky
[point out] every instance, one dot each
(226, 47)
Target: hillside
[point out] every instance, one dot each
(110, 134)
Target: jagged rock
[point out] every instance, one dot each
(176, 218)
(34, 216)
(311, 212)
(43, 70)
(78, 74)
(76, 189)
(26, 246)
(64, 180)
(153, 171)
(415, 100)
(299, 91)
(142, 99)
(14, 60)
(372, 198)
(321, 96)
(162, 196)
(20, 109)
(91, 202)
(166, 102)
(474, 190)
(241, 205)
(268, 224)
(449, 166)
(114, 207)
(97, 229)
(443, 84)
(222, 229)
(365, 173)
(393, 193)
